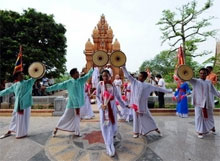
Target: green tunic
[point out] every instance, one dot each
(75, 88)
(23, 93)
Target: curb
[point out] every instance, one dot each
(154, 112)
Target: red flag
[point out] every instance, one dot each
(180, 61)
(18, 63)
(180, 56)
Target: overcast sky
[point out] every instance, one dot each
(133, 23)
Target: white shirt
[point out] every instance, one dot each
(161, 83)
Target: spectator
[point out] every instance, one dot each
(211, 76)
(161, 83)
(37, 88)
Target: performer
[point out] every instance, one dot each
(203, 101)
(118, 83)
(181, 97)
(143, 123)
(95, 77)
(127, 113)
(70, 120)
(86, 110)
(106, 95)
(211, 76)
(22, 107)
(108, 67)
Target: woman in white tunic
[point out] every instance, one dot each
(143, 122)
(127, 113)
(118, 83)
(86, 110)
(203, 101)
(95, 77)
(106, 95)
(22, 107)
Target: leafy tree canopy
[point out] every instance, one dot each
(164, 64)
(42, 40)
(186, 27)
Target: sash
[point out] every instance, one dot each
(110, 112)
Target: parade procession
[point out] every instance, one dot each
(112, 97)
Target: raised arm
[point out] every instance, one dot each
(118, 97)
(30, 82)
(57, 86)
(193, 81)
(7, 91)
(159, 89)
(132, 79)
(87, 76)
(214, 91)
(99, 96)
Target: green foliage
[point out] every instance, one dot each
(164, 64)
(171, 85)
(63, 77)
(186, 27)
(41, 37)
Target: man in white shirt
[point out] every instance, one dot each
(160, 83)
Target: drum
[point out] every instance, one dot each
(184, 72)
(100, 58)
(118, 59)
(37, 70)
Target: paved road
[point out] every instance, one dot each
(178, 143)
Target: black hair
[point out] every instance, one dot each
(73, 71)
(144, 75)
(158, 76)
(106, 71)
(209, 67)
(204, 69)
(15, 76)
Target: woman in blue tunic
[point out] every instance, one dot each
(181, 97)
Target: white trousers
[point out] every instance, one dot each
(20, 123)
(203, 125)
(69, 121)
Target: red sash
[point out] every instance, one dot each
(204, 111)
(110, 112)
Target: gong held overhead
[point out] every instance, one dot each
(101, 58)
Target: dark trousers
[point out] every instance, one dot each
(161, 99)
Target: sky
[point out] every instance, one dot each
(133, 23)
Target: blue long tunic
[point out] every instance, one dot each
(182, 104)
(75, 88)
(23, 93)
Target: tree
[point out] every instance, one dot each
(41, 37)
(186, 29)
(164, 64)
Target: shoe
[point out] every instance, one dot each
(200, 136)
(87, 118)
(5, 135)
(78, 134)
(213, 132)
(158, 131)
(54, 132)
(135, 136)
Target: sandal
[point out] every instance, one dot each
(5, 135)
